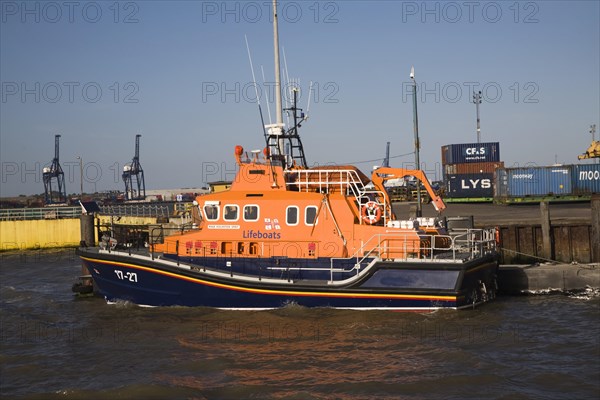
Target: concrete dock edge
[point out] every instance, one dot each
(513, 279)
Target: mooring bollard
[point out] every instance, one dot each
(595, 234)
(87, 229)
(548, 251)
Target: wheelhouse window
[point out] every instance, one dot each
(211, 212)
(310, 215)
(230, 212)
(251, 212)
(291, 215)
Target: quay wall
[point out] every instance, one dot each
(56, 233)
(37, 234)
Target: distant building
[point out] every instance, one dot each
(219, 186)
(182, 194)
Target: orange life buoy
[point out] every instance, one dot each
(371, 213)
(497, 236)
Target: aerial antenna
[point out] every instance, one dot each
(252, 69)
(279, 109)
(267, 94)
(308, 103)
(262, 120)
(288, 86)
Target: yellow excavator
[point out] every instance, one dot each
(592, 152)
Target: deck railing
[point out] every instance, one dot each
(343, 180)
(136, 210)
(462, 246)
(20, 214)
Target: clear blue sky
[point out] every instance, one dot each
(98, 73)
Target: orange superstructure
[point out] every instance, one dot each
(302, 213)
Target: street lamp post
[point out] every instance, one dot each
(80, 177)
(417, 144)
(477, 101)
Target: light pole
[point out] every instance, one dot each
(593, 132)
(477, 101)
(80, 177)
(417, 144)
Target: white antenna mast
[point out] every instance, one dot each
(279, 110)
(252, 68)
(267, 94)
(308, 104)
(289, 86)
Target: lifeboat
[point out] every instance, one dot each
(317, 237)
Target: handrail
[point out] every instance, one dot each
(473, 243)
(347, 179)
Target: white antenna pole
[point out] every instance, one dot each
(252, 68)
(279, 110)
(309, 95)
(288, 86)
(267, 94)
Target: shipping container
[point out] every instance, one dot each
(470, 153)
(472, 168)
(586, 178)
(470, 185)
(534, 181)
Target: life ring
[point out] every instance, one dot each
(371, 213)
(497, 236)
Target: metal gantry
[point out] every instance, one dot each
(53, 176)
(133, 176)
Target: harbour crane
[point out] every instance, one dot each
(133, 172)
(54, 173)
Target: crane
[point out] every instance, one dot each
(54, 173)
(133, 172)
